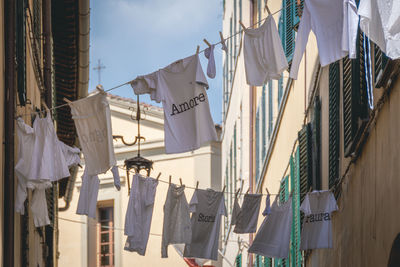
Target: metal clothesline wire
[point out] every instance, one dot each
(126, 83)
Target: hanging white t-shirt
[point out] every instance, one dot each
(273, 238)
(139, 213)
(350, 27)
(380, 21)
(325, 19)
(87, 203)
(177, 228)
(317, 226)
(181, 87)
(93, 124)
(264, 58)
(247, 217)
(207, 207)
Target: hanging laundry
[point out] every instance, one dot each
(267, 209)
(93, 124)
(176, 226)
(139, 213)
(350, 27)
(209, 54)
(380, 21)
(181, 88)
(39, 203)
(317, 226)
(247, 217)
(71, 154)
(117, 179)
(325, 19)
(264, 58)
(273, 237)
(207, 207)
(235, 210)
(87, 203)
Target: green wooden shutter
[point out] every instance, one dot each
(380, 62)
(316, 145)
(295, 172)
(283, 197)
(270, 110)
(258, 261)
(263, 122)
(21, 51)
(305, 154)
(355, 100)
(234, 159)
(238, 261)
(257, 144)
(267, 262)
(333, 123)
(298, 13)
(280, 91)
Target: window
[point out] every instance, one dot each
(280, 91)
(334, 125)
(257, 144)
(263, 123)
(288, 22)
(305, 158)
(21, 51)
(295, 182)
(258, 261)
(316, 145)
(106, 236)
(270, 110)
(238, 261)
(380, 60)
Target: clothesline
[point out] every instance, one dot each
(126, 83)
(226, 192)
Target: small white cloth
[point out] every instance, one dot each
(380, 21)
(87, 203)
(181, 87)
(209, 54)
(264, 58)
(71, 154)
(176, 226)
(93, 124)
(267, 209)
(247, 216)
(207, 207)
(273, 238)
(39, 203)
(325, 19)
(317, 225)
(139, 213)
(350, 27)
(117, 179)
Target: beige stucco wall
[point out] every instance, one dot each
(202, 165)
(367, 222)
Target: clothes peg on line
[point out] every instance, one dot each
(100, 88)
(44, 105)
(267, 191)
(207, 43)
(67, 100)
(223, 190)
(180, 180)
(158, 176)
(241, 24)
(197, 185)
(248, 189)
(224, 47)
(170, 177)
(197, 50)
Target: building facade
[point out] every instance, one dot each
(84, 243)
(44, 48)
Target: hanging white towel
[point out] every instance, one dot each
(39, 203)
(264, 58)
(87, 202)
(380, 21)
(247, 217)
(93, 124)
(209, 54)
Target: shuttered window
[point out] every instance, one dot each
(316, 145)
(283, 197)
(380, 60)
(238, 261)
(257, 144)
(235, 19)
(280, 91)
(290, 20)
(355, 100)
(270, 110)
(334, 125)
(305, 156)
(21, 51)
(295, 170)
(263, 123)
(258, 261)
(267, 262)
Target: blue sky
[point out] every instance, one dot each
(133, 38)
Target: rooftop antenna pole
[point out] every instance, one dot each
(98, 68)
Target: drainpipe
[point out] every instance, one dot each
(9, 105)
(251, 132)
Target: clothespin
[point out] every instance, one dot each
(267, 191)
(170, 177)
(223, 190)
(80, 166)
(237, 192)
(158, 176)
(67, 100)
(45, 106)
(180, 180)
(266, 7)
(197, 50)
(248, 189)
(197, 185)
(224, 47)
(310, 189)
(100, 88)
(207, 43)
(241, 24)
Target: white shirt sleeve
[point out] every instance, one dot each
(350, 27)
(193, 202)
(332, 203)
(151, 191)
(200, 77)
(305, 206)
(301, 41)
(223, 207)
